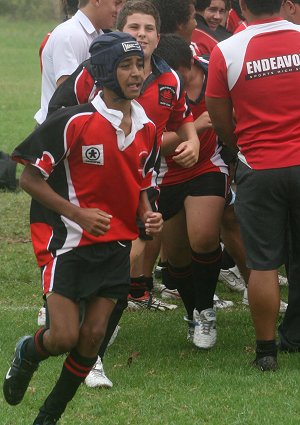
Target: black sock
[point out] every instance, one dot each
(227, 261)
(34, 349)
(149, 282)
(137, 286)
(206, 269)
(180, 278)
(266, 348)
(75, 370)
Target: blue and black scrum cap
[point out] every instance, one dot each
(107, 51)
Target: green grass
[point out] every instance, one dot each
(169, 382)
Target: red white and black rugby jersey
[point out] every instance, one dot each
(87, 159)
(259, 69)
(162, 96)
(210, 159)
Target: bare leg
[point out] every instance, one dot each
(231, 237)
(263, 294)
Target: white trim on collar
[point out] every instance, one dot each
(138, 116)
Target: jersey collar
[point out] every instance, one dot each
(138, 116)
(86, 23)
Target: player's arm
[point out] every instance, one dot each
(92, 220)
(153, 220)
(221, 113)
(171, 140)
(187, 152)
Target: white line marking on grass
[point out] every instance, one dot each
(17, 308)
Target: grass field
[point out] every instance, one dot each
(168, 382)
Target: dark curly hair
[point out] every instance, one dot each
(262, 7)
(173, 13)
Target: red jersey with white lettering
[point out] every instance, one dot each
(162, 96)
(259, 69)
(210, 159)
(86, 158)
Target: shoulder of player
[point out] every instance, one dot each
(164, 73)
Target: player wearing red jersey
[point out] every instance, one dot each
(209, 31)
(164, 100)
(192, 203)
(87, 191)
(258, 66)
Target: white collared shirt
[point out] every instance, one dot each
(138, 119)
(67, 47)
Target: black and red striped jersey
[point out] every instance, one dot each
(162, 96)
(86, 158)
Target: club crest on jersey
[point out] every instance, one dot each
(93, 154)
(166, 95)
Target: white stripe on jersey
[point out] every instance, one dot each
(234, 48)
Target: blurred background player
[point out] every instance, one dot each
(210, 16)
(68, 45)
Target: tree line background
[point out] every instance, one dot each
(31, 9)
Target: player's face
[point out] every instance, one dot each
(185, 30)
(215, 14)
(120, 4)
(106, 13)
(130, 75)
(143, 28)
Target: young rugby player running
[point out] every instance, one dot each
(87, 169)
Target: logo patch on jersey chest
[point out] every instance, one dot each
(93, 154)
(166, 95)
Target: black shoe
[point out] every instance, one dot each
(43, 419)
(266, 364)
(19, 375)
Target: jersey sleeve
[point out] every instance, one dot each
(217, 85)
(77, 89)
(47, 145)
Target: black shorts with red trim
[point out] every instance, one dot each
(171, 198)
(101, 270)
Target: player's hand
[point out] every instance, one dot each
(187, 153)
(203, 122)
(94, 221)
(153, 223)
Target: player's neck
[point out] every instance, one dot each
(147, 67)
(112, 101)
